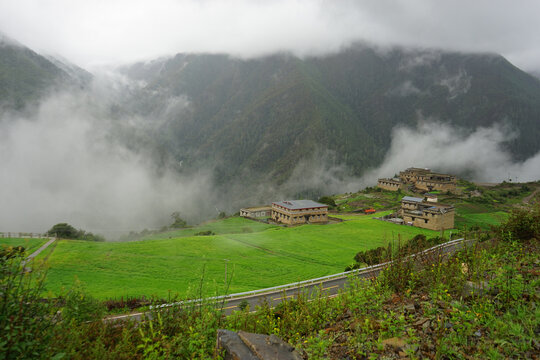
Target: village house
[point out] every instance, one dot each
(294, 212)
(434, 181)
(389, 184)
(259, 212)
(422, 179)
(412, 175)
(426, 180)
(415, 211)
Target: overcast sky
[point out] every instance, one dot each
(114, 31)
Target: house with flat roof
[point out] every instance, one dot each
(294, 212)
(423, 179)
(393, 184)
(259, 212)
(417, 212)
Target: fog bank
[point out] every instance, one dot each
(480, 154)
(65, 163)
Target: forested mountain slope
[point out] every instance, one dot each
(264, 115)
(25, 76)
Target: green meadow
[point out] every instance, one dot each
(30, 245)
(255, 256)
(483, 216)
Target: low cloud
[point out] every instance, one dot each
(419, 59)
(457, 84)
(65, 163)
(131, 30)
(404, 89)
(479, 155)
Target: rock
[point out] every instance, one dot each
(475, 289)
(269, 347)
(477, 333)
(248, 346)
(410, 308)
(234, 347)
(395, 342)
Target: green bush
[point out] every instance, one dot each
(328, 201)
(522, 224)
(26, 319)
(80, 307)
(66, 231)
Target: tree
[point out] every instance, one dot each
(63, 230)
(178, 222)
(66, 231)
(328, 201)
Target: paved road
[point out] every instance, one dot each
(329, 285)
(38, 251)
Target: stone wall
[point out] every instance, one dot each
(389, 184)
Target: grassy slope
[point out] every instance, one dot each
(468, 215)
(270, 256)
(30, 245)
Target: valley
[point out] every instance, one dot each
(364, 177)
(182, 264)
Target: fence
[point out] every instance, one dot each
(23, 235)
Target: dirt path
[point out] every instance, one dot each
(527, 199)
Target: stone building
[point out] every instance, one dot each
(424, 179)
(434, 181)
(415, 211)
(389, 184)
(412, 175)
(256, 212)
(293, 212)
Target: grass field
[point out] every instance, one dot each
(30, 245)
(481, 215)
(258, 256)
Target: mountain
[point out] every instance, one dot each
(26, 75)
(259, 118)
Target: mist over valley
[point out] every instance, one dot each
(121, 148)
(306, 179)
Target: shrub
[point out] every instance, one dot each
(328, 201)
(80, 307)
(66, 231)
(522, 224)
(178, 222)
(26, 320)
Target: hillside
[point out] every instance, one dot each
(479, 303)
(260, 117)
(258, 256)
(26, 75)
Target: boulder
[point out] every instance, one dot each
(249, 346)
